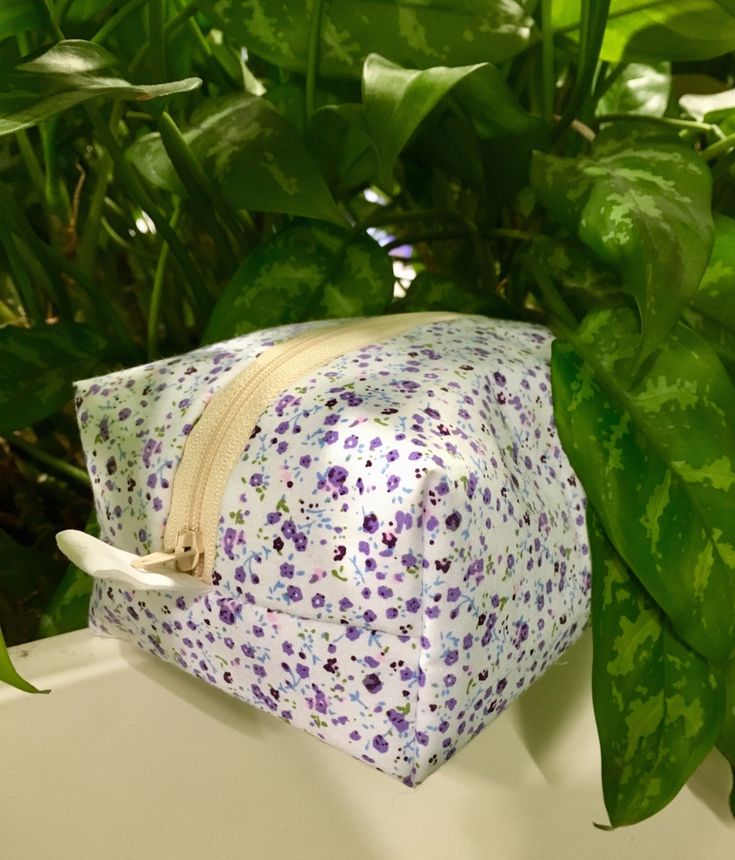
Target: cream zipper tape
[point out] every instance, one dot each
(219, 437)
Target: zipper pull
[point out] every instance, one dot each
(186, 553)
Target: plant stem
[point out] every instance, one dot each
(555, 304)
(547, 59)
(114, 22)
(658, 120)
(16, 222)
(23, 285)
(157, 291)
(171, 26)
(90, 237)
(157, 39)
(199, 296)
(31, 163)
(719, 148)
(54, 463)
(312, 54)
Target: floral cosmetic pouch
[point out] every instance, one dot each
(366, 528)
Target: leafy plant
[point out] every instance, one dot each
(175, 173)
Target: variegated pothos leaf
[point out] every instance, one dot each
(426, 33)
(642, 206)
(656, 456)
(306, 272)
(256, 158)
(658, 704)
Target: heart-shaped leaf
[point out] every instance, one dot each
(656, 456)
(65, 75)
(642, 207)
(433, 292)
(658, 704)
(306, 272)
(429, 33)
(397, 100)
(258, 160)
(38, 366)
(640, 89)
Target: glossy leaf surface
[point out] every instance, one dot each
(642, 206)
(257, 159)
(38, 366)
(657, 29)
(656, 455)
(306, 272)
(658, 705)
(65, 75)
(429, 33)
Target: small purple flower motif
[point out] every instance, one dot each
(453, 521)
(380, 744)
(302, 671)
(293, 593)
(317, 601)
(370, 524)
(372, 683)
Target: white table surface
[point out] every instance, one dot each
(130, 758)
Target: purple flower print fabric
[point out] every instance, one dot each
(402, 544)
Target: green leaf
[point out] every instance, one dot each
(306, 272)
(338, 139)
(69, 607)
(397, 100)
(433, 292)
(38, 366)
(257, 159)
(726, 740)
(65, 75)
(712, 307)
(8, 673)
(641, 89)
(656, 455)
(656, 30)
(643, 208)
(19, 16)
(658, 704)
(429, 33)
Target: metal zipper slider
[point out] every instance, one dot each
(186, 553)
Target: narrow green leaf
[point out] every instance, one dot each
(20, 16)
(593, 18)
(38, 366)
(257, 159)
(658, 704)
(656, 456)
(9, 674)
(643, 207)
(306, 272)
(429, 33)
(64, 75)
(656, 30)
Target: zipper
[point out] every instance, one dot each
(219, 437)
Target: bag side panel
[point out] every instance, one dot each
(352, 688)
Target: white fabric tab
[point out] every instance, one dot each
(103, 561)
